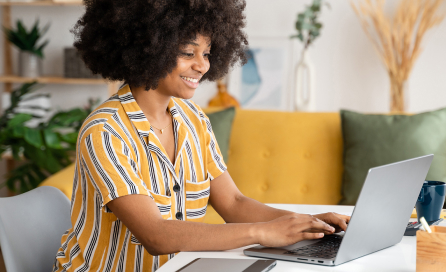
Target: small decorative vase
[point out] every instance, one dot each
(304, 84)
(223, 98)
(30, 65)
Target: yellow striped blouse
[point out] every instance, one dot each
(119, 154)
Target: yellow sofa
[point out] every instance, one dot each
(274, 157)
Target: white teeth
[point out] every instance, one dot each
(190, 79)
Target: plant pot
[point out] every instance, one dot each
(30, 65)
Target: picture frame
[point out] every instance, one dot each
(266, 81)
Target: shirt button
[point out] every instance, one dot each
(179, 215)
(176, 188)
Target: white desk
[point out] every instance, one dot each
(400, 257)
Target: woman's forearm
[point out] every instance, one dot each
(141, 216)
(171, 236)
(248, 210)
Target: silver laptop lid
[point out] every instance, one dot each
(383, 208)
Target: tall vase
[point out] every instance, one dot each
(304, 98)
(30, 65)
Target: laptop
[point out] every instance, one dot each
(388, 196)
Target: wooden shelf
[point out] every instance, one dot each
(42, 3)
(52, 80)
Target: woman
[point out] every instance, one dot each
(147, 161)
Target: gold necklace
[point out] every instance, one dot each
(161, 129)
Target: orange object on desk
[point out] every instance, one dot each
(431, 250)
(442, 215)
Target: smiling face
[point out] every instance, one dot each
(192, 64)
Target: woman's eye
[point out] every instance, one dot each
(191, 55)
(188, 55)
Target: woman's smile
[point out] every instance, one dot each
(191, 82)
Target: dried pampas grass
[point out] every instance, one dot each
(398, 39)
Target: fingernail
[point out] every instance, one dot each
(332, 229)
(321, 235)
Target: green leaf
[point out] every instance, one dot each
(314, 33)
(24, 178)
(51, 139)
(51, 163)
(33, 137)
(21, 29)
(15, 149)
(27, 41)
(315, 8)
(309, 13)
(40, 48)
(36, 155)
(38, 172)
(70, 137)
(299, 25)
(19, 119)
(19, 131)
(306, 26)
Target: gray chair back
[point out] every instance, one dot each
(31, 228)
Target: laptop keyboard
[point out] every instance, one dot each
(326, 248)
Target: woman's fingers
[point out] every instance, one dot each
(338, 220)
(293, 228)
(315, 225)
(310, 236)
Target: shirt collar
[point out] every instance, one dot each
(142, 125)
(135, 113)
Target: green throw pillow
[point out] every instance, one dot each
(374, 140)
(221, 122)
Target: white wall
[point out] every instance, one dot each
(348, 72)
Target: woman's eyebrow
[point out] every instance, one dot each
(196, 44)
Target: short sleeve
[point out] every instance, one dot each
(215, 163)
(106, 163)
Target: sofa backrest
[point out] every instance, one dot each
(287, 157)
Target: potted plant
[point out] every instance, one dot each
(43, 149)
(31, 54)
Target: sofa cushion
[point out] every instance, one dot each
(373, 140)
(221, 122)
(287, 157)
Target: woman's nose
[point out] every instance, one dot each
(201, 65)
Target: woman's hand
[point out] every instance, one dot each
(338, 221)
(290, 229)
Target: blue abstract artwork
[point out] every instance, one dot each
(261, 78)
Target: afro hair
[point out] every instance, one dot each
(139, 41)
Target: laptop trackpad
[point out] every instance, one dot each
(308, 242)
(280, 250)
(300, 244)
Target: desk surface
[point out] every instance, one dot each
(400, 257)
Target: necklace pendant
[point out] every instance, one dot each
(161, 131)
